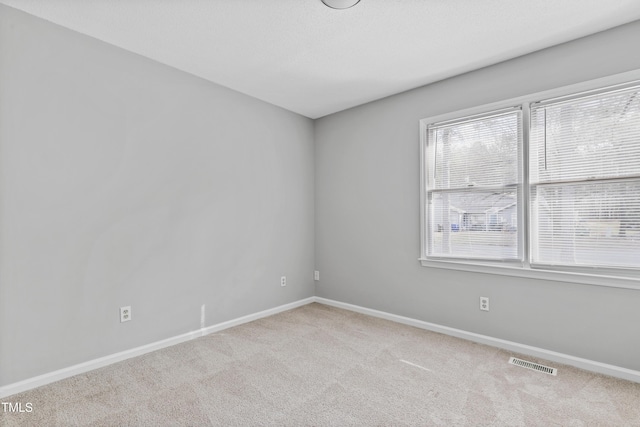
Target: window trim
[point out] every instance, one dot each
(608, 277)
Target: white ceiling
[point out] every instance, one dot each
(308, 58)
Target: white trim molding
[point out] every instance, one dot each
(90, 365)
(589, 365)
(565, 359)
(517, 270)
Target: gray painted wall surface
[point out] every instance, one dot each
(367, 214)
(126, 182)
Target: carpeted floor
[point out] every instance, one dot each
(318, 365)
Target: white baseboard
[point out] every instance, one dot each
(255, 316)
(589, 365)
(586, 364)
(90, 365)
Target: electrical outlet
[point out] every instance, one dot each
(283, 281)
(316, 275)
(484, 303)
(125, 314)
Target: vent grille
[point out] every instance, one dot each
(533, 366)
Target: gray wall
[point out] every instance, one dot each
(126, 182)
(367, 214)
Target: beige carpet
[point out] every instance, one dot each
(318, 365)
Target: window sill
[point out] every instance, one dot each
(624, 282)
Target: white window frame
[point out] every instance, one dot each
(610, 277)
(429, 176)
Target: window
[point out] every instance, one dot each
(585, 180)
(474, 185)
(548, 184)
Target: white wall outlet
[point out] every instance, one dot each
(125, 314)
(283, 281)
(202, 315)
(316, 275)
(484, 303)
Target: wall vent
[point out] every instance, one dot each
(533, 366)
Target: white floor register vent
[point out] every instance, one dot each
(533, 366)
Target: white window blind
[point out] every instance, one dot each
(584, 170)
(473, 186)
